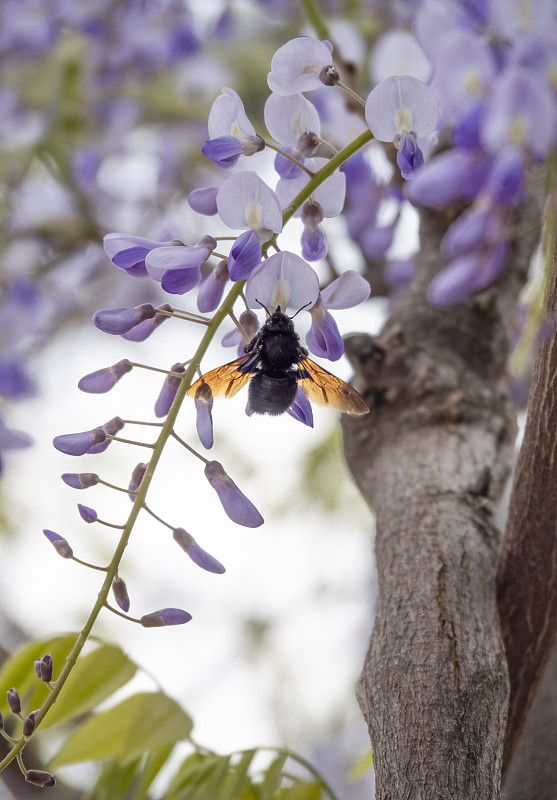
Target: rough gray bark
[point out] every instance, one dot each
(431, 460)
(527, 579)
(532, 774)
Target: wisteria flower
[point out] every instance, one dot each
(298, 64)
(284, 280)
(236, 505)
(177, 267)
(466, 275)
(402, 110)
(347, 291)
(245, 202)
(231, 134)
(289, 117)
(129, 252)
(522, 113)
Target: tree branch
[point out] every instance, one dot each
(431, 460)
(527, 578)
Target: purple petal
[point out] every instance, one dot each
(148, 326)
(301, 409)
(314, 244)
(349, 290)
(87, 514)
(104, 379)
(59, 543)
(224, 151)
(244, 256)
(166, 616)
(284, 280)
(80, 480)
(212, 289)
(235, 503)
(204, 200)
(178, 257)
(409, 156)
(180, 281)
(323, 338)
(121, 596)
(77, 444)
(453, 175)
(204, 418)
(122, 320)
(168, 392)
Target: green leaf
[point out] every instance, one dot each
(301, 790)
(114, 780)
(19, 671)
(154, 762)
(95, 677)
(273, 777)
(183, 773)
(193, 783)
(139, 724)
(238, 776)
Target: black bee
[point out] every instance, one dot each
(276, 363)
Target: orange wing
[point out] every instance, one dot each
(326, 389)
(227, 380)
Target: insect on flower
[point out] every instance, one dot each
(275, 364)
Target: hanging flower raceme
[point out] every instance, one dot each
(231, 134)
(404, 111)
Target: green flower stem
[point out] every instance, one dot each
(325, 172)
(158, 448)
(315, 18)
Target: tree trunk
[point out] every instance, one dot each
(431, 460)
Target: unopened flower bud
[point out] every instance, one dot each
(38, 777)
(168, 392)
(29, 723)
(60, 544)
(13, 701)
(166, 616)
(307, 144)
(77, 444)
(80, 480)
(86, 513)
(121, 320)
(235, 503)
(249, 322)
(104, 379)
(329, 75)
(43, 668)
(136, 478)
(197, 554)
(312, 214)
(142, 331)
(204, 418)
(121, 594)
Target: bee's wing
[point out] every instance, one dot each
(326, 389)
(228, 379)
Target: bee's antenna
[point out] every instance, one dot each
(300, 309)
(265, 307)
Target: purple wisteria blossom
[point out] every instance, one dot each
(129, 252)
(236, 505)
(59, 543)
(164, 617)
(404, 111)
(231, 134)
(294, 122)
(347, 291)
(284, 280)
(103, 380)
(80, 480)
(197, 554)
(204, 417)
(298, 64)
(168, 392)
